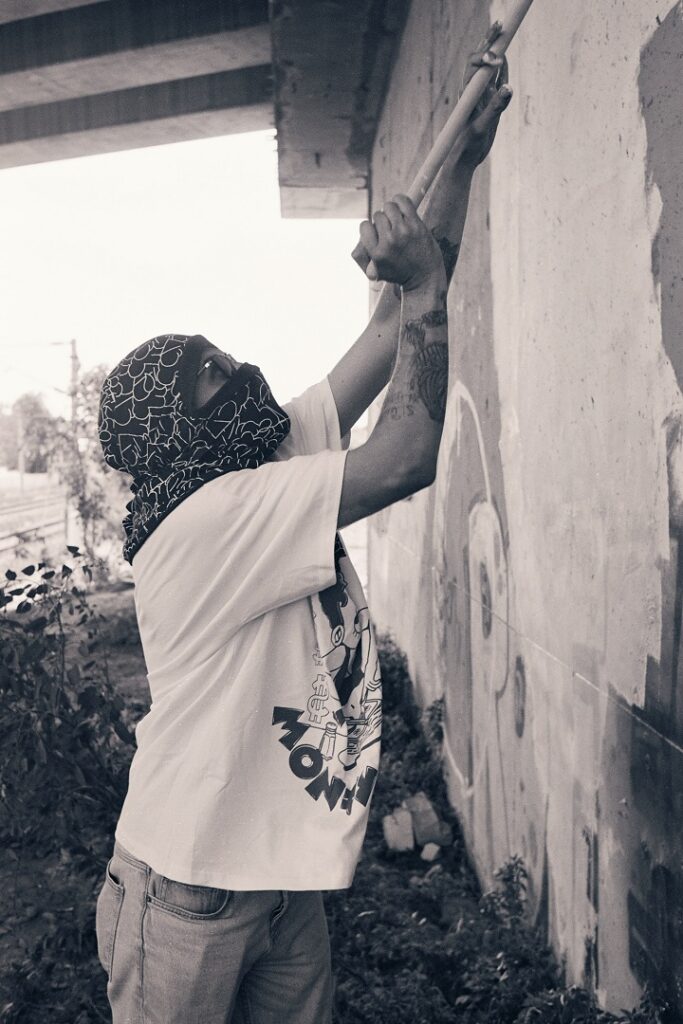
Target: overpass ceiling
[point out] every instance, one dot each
(79, 78)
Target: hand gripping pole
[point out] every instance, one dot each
(453, 132)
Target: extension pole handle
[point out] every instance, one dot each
(461, 113)
(453, 132)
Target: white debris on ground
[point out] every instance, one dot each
(426, 822)
(398, 830)
(416, 823)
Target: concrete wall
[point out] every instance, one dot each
(538, 585)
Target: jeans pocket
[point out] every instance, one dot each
(109, 903)
(196, 902)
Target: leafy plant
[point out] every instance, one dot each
(97, 493)
(65, 748)
(432, 724)
(62, 725)
(576, 1006)
(58, 978)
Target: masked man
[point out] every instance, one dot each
(250, 787)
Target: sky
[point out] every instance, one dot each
(114, 249)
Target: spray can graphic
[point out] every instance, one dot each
(328, 740)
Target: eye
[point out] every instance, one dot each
(212, 370)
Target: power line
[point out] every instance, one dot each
(29, 376)
(7, 346)
(75, 366)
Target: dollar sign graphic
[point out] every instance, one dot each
(316, 705)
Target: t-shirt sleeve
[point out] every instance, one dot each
(315, 423)
(257, 539)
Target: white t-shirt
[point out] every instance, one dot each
(255, 765)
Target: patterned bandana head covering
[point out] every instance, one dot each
(149, 427)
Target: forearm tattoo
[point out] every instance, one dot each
(431, 371)
(427, 375)
(449, 252)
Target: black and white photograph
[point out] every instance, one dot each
(341, 512)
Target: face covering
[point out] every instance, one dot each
(150, 428)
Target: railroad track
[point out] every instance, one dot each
(32, 518)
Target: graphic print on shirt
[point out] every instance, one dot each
(330, 740)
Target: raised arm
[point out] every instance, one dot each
(400, 455)
(364, 370)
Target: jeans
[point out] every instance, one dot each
(191, 954)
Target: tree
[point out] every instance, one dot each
(98, 493)
(28, 425)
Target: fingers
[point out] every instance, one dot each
(502, 76)
(389, 218)
(407, 209)
(368, 236)
(486, 59)
(393, 214)
(483, 57)
(491, 36)
(384, 237)
(382, 225)
(361, 256)
(488, 119)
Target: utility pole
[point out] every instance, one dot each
(21, 442)
(75, 366)
(73, 391)
(73, 395)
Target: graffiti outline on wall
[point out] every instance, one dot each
(488, 607)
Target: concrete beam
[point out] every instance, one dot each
(15, 10)
(119, 26)
(189, 108)
(326, 201)
(144, 65)
(117, 138)
(332, 62)
(84, 78)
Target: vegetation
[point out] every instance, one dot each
(62, 724)
(65, 746)
(71, 449)
(411, 942)
(420, 944)
(97, 493)
(28, 425)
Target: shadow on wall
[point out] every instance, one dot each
(661, 71)
(644, 746)
(642, 776)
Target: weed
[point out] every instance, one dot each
(421, 945)
(62, 726)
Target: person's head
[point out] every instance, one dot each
(178, 412)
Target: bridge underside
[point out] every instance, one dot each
(79, 78)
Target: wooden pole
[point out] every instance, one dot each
(454, 131)
(461, 113)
